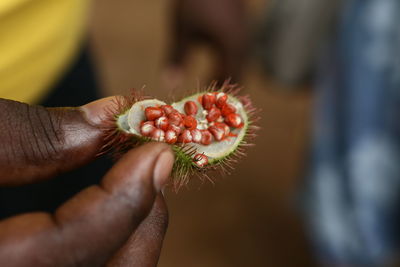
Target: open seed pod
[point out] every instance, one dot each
(207, 130)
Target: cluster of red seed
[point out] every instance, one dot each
(164, 123)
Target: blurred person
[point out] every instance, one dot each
(349, 48)
(41, 45)
(354, 187)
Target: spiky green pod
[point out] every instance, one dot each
(126, 118)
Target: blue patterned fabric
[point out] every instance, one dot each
(353, 194)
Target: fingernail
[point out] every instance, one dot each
(163, 169)
(95, 111)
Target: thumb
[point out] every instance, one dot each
(37, 143)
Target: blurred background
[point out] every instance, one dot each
(321, 186)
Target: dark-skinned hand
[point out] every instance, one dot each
(120, 222)
(218, 23)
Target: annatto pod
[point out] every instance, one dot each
(207, 130)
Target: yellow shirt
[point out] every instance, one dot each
(38, 39)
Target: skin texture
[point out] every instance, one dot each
(120, 222)
(220, 24)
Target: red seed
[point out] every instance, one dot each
(208, 101)
(200, 160)
(146, 122)
(147, 129)
(162, 123)
(185, 137)
(171, 137)
(153, 113)
(181, 126)
(234, 120)
(190, 108)
(196, 135)
(158, 135)
(200, 100)
(217, 132)
(190, 122)
(206, 137)
(175, 128)
(175, 118)
(167, 109)
(224, 127)
(227, 109)
(213, 114)
(221, 99)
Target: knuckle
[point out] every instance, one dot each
(28, 133)
(43, 133)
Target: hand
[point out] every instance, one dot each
(219, 23)
(121, 221)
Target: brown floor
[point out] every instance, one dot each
(248, 218)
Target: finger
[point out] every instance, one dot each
(201, 21)
(174, 71)
(37, 143)
(89, 228)
(229, 38)
(144, 246)
(181, 29)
